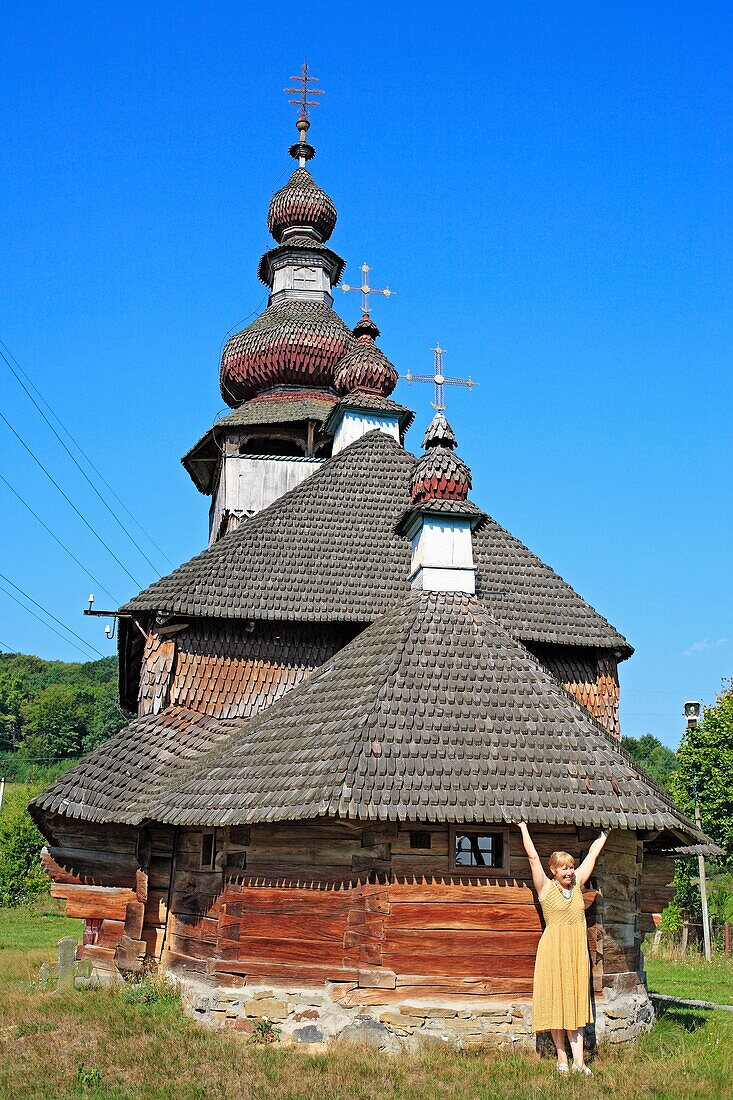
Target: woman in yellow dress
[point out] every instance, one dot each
(561, 1000)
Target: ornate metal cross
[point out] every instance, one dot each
(439, 379)
(304, 91)
(366, 289)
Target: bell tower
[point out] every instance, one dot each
(297, 376)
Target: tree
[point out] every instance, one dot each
(659, 761)
(705, 755)
(56, 721)
(21, 876)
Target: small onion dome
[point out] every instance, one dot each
(439, 433)
(366, 368)
(291, 343)
(440, 474)
(301, 202)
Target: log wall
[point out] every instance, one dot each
(656, 889)
(117, 879)
(312, 902)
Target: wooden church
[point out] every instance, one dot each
(343, 705)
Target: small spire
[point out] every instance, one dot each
(439, 433)
(302, 151)
(439, 474)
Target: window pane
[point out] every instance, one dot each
(478, 850)
(207, 850)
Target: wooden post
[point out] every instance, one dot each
(726, 939)
(685, 936)
(703, 889)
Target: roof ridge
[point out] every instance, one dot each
(568, 587)
(484, 610)
(262, 518)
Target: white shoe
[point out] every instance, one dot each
(585, 1070)
(563, 1068)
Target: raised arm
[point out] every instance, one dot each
(539, 878)
(585, 870)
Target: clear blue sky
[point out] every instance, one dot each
(546, 186)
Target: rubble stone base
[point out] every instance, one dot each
(314, 1016)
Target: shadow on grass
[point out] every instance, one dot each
(689, 1019)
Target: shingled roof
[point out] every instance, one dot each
(433, 713)
(121, 779)
(282, 405)
(327, 551)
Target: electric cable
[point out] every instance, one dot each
(78, 465)
(83, 518)
(58, 540)
(12, 652)
(48, 625)
(50, 614)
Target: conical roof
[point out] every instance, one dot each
(327, 551)
(439, 433)
(434, 713)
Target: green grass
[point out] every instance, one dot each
(38, 926)
(692, 979)
(104, 1046)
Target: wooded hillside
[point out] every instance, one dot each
(52, 711)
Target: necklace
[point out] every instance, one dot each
(567, 894)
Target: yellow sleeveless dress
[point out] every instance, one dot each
(562, 968)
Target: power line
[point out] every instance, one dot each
(58, 540)
(47, 612)
(74, 459)
(46, 625)
(83, 518)
(10, 651)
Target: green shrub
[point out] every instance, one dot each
(21, 876)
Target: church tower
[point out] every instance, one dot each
(297, 366)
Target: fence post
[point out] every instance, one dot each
(726, 939)
(685, 937)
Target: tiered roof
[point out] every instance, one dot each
(327, 551)
(434, 713)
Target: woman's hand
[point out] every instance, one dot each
(585, 870)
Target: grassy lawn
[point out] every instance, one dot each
(96, 1045)
(692, 979)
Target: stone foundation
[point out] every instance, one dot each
(315, 1016)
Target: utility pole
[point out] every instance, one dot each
(692, 714)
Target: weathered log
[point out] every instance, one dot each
(450, 888)
(463, 915)
(95, 902)
(86, 867)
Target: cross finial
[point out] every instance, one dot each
(302, 150)
(439, 379)
(366, 289)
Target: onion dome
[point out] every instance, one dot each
(292, 343)
(301, 203)
(440, 474)
(366, 368)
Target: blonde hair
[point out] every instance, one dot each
(560, 858)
